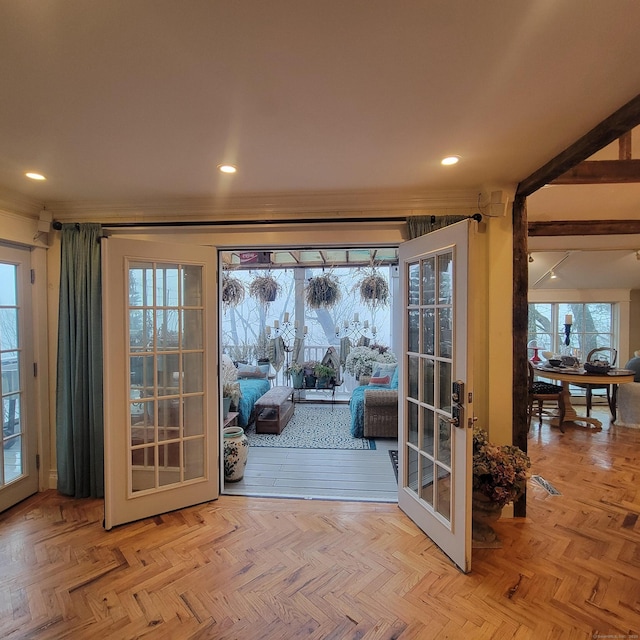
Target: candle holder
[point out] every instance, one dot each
(567, 334)
(288, 332)
(355, 331)
(533, 345)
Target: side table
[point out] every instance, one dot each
(231, 420)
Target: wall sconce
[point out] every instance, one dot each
(531, 258)
(552, 275)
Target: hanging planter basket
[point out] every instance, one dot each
(374, 290)
(264, 288)
(323, 292)
(232, 291)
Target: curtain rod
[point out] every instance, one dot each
(57, 225)
(227, 223)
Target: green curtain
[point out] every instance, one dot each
(420, 225)
(79, 420)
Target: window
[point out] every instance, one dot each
(592, 325)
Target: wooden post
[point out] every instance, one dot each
(520, 325)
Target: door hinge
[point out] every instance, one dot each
(35, 369)
(37, 461)
(33, 276)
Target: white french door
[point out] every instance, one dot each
(18, 445)
(160, 383)
(435, 435)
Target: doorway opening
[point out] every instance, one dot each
(290, 318)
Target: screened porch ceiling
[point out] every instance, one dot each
(288, 258)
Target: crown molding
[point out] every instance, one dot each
(271, 206)
(12, 202)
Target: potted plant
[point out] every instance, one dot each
(374, 289)
(309, 372)
(232, 291)
(264, 288)
(262, 352)
(296, 373)
(230, 397)
(324, 375)
(361, 360)
(323, 291)
(499, 477)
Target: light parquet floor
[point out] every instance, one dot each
(245, 568)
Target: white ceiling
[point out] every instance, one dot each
(140, 100)
(585, 269)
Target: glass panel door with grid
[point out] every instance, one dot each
(18, 472)
(170, 444)
(435, 440)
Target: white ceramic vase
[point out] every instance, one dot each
(236, 451)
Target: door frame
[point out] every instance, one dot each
(30, 482)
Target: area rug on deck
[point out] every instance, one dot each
(313, 427)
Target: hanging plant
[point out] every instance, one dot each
(264, 288)
(323, 292)
(374, 290)
(232, 291)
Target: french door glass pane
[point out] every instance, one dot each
(12, 461)
(166, 359)
(430, 341)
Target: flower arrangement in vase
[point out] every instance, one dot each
(309, 372)
(499, 477)
(361, 360)
(324, 374)
(296, 372)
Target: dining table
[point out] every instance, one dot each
(567, 375)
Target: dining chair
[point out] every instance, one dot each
(542, 392)
(600, 353)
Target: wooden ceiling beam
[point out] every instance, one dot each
(624, 146)
(583, 227)
(601, 172)
(609, 130)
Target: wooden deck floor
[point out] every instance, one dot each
(331, 474)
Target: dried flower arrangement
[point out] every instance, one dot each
(232, 291)
(499, 472)
(264, 288)
(323, 291)
(374, 289)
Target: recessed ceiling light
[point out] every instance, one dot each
(34, 176)
(450, 160)
(227, 168)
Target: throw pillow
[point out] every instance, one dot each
(380, 381)
(250, 371)
(384, 368)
